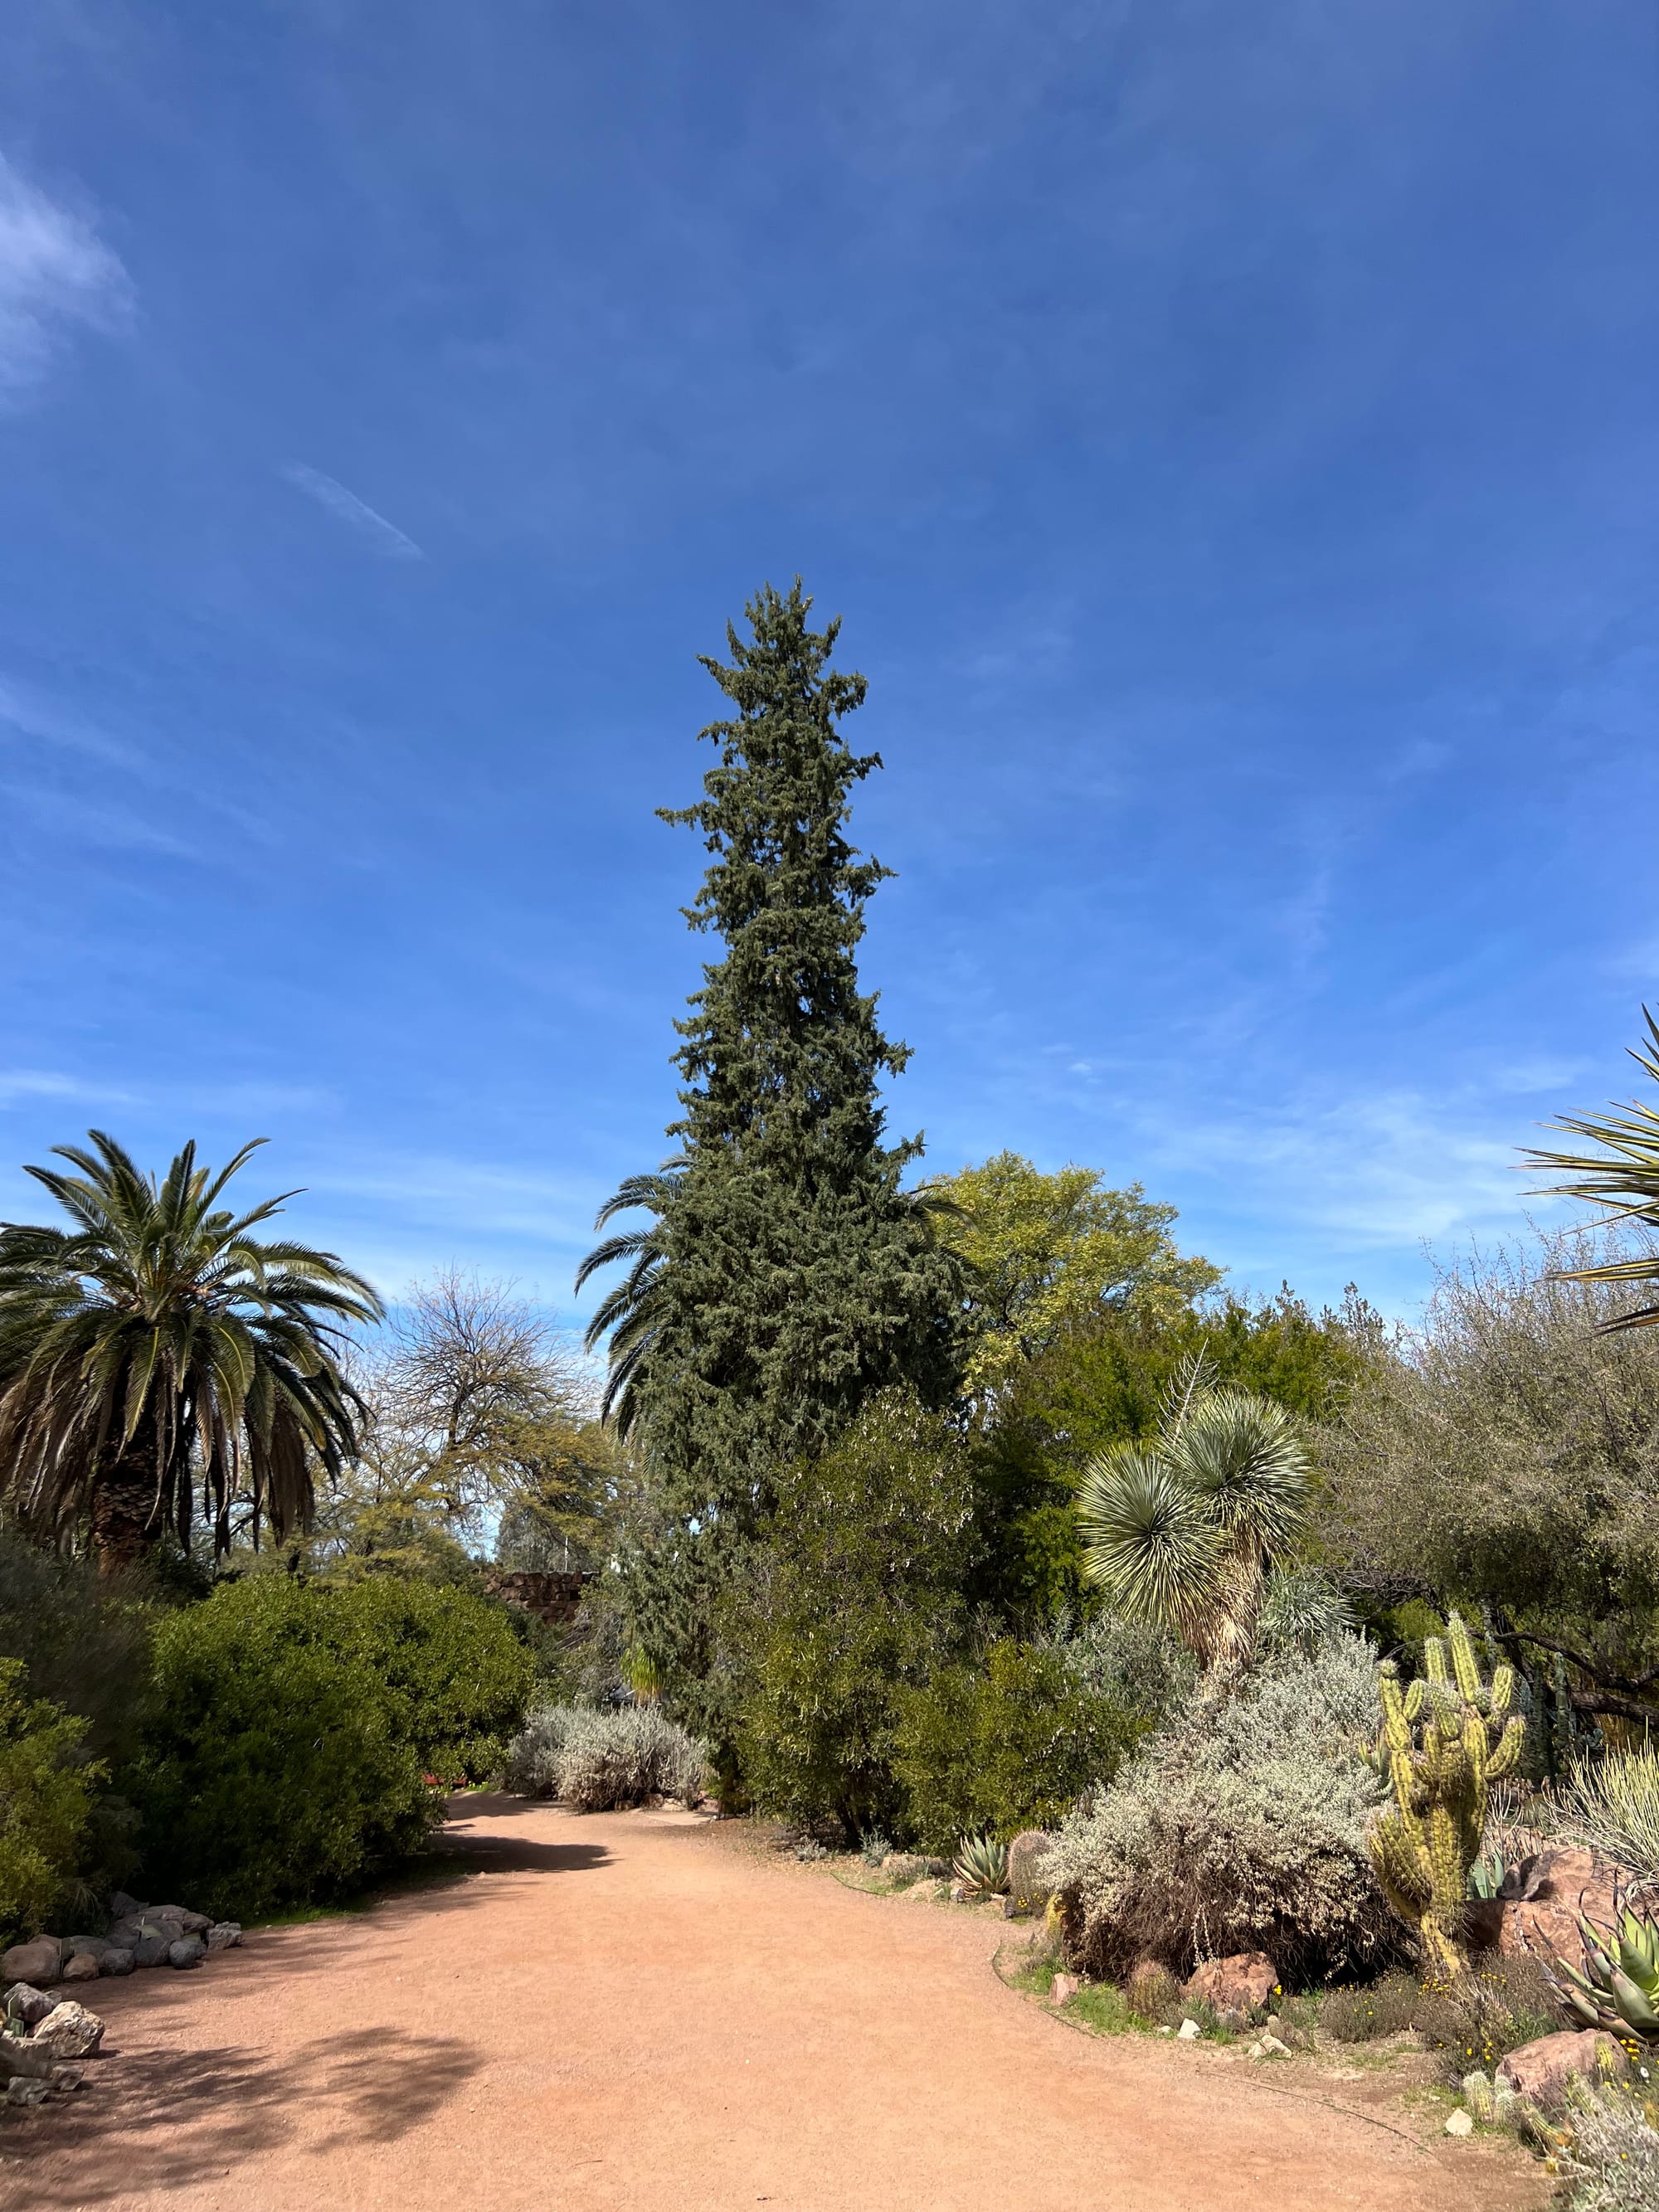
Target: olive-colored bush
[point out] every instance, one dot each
(45, 1801)
(290, 1727)
(1010, 1742)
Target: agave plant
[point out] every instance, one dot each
(982, 1866)
(1619, 1987)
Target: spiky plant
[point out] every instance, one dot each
(982, 1866)
(1623, 1177)
(158, 1350)
(1183, 1532)
(1617, 1987)
(1442, 1741)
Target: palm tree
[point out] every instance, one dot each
(1183, 1532)
(1624, 1177)
(631, 1312)
(157, 1345)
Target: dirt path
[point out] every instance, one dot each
(634, 2011)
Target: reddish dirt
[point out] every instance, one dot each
(637, 2010)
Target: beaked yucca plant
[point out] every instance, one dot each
(1184, 1531)
(982, 1866)
(1444, 1740)
(1618, 1986)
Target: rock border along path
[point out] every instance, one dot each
(640, 2010)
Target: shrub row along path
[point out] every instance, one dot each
(644, 2010)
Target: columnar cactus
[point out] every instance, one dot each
(1442, 1741)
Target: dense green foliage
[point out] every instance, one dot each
(1002, 1740)
(158, 1351)
(45, 1805)
(1106, 1384)
(84, 1638)
(291, 1725)
(860, 1598)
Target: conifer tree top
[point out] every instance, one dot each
(782, 1050)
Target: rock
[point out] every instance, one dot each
(21, 2091)
(75, 1947)
(1188, 2031)
(82, 1967)
(190, 1923)
(41, 1962)
(224, 1934)
(120, 1905)
(1242, 1984)
(1256, 2052)
(1273, 2048)
(188, 1951)
(27, 2004)
(1026, 1887)
(116, 1961)
(1542, 1897)
(69, 2031)
(152, 1950)
(1460, 2124)
(1063, 1988)
(29, 2060)
(1542, 2070)
(65, 2079)
(959, 1893)
(926, 1889)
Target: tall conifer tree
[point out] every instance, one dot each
(786, 1274)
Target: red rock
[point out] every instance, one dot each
(1554, 1889)
(1542, 2070)
(40, 1962)
(1243, 1983)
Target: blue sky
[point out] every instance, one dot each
(1231, 435)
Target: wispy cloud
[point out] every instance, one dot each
(54, 272)
(356, 514)
(31, 716)
(17, 1083)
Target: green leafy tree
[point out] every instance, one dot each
(787, 1275)
(1050, 1254)
(158, 1349)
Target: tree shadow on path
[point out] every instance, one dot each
(162, 2120)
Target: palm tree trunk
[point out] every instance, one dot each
(127, 1509)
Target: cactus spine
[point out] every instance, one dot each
(1442, 1741)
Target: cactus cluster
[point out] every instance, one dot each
(982, 1866)
(1444, 1739)
(1618, 1986)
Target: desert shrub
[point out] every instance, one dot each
(46, 1794)
(599, 1760)
(1007, 1744)
(1613, 2154)
(1613, 1804)
(456, 1676)
(1475, 2022)
(276, 1766)
(1238, 1827)
(1365, 2015)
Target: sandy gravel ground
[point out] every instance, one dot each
(639, 2011)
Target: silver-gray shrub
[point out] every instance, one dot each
(1614, 2154)
(599, 1759)
(1239, 1826)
